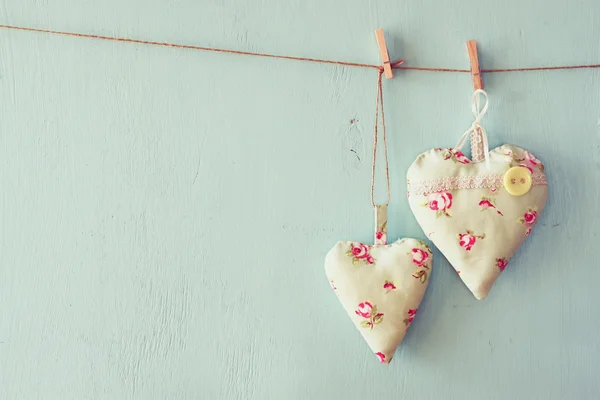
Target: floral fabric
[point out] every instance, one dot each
(381, 224)
(380, 287)
(477, 228)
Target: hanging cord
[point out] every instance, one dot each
(394, 65)
(378, 104)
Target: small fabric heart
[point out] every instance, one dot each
(477, 213)
(380, 287)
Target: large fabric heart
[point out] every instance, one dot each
(468, 213)
(380, 287)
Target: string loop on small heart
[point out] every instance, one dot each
(380, 209)
(479, 140)
(378, 104)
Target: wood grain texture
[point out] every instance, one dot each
(165, 213)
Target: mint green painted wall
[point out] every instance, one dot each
(165, 213)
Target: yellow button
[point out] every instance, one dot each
(517, 181)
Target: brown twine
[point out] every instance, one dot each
(395, 65)
(498, 70)
(378, 104)
(191, 47)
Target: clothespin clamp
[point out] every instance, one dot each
(385, 56)
(475, 70)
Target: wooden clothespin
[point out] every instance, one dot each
(475, 70)
(385, 56)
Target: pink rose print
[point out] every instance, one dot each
(369, 312)
(389, 286)
(501, 263)
(364, 310)
(411, 316)
(461, 158)
(332, 285)
(528, 161)
(440, 202)
(381, 357)
(420, 257)
(468, 240)
(526, 166)
(487, 203)
(455, 155)
(360, 250)
(380, 238)
(531, 158)
(529, 219)
(412, 313)
(360, 253)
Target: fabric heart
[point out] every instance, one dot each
(468, 212)
(380, 287)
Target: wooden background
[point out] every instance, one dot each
(165, 213)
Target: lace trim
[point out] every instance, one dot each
(466, 182)
(477, 151)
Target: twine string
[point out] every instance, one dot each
(395, 65)
(379, 104)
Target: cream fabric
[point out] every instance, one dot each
(465, 211)
(380, 287)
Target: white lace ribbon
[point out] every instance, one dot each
(477, 132)
(466, 182)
